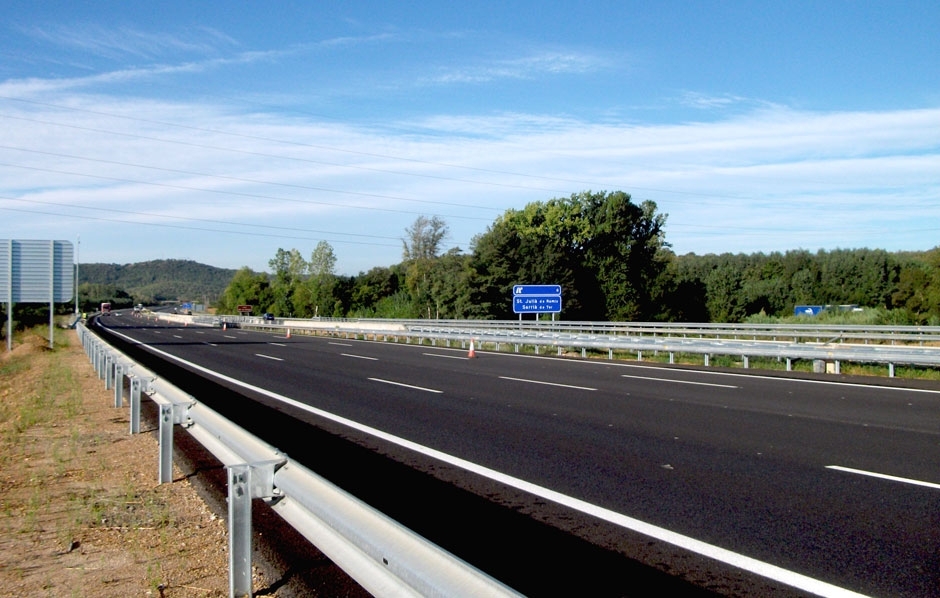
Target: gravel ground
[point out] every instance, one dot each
(82, 514)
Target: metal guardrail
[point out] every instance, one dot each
(827, 346)
(383, 556)
(796, 332)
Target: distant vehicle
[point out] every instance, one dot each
(268, 317)
(105, 309)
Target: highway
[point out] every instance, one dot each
(739, 483)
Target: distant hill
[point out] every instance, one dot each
(161, 280)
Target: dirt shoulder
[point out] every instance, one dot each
(81, 512)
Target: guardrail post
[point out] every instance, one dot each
(118, 384)
(166, 442)
(239, 529)
(108, 369)
(135, 405)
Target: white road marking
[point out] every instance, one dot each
(227, 336)
(774, 378)
(278, 344)
(177, 336)
(722, 555)
(884, 476)
(341, 344)
(547, 383)
(678, 381)
(406, 385)
(268, 357)
(445, 356)
(359, 356)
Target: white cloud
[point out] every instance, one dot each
(532, 66)
(123, 42)
(769, 179)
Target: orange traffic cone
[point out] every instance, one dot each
(288, 333)
(472, 354)
(224, 325)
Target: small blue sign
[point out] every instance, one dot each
(536, 298)
(536, 289)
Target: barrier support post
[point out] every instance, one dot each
(239, 529)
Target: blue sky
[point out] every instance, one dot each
(222, 132)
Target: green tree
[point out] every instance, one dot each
(450, 284)
(420, 248)
(725, 298)
(289, 270)
(322, 279)
(624, 249)
(601, 248)
(372, 286)
(246, 288)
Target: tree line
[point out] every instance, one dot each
(612, 260)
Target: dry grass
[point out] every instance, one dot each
(81, 512)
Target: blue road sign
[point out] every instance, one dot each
(536, 305)
(536, 289)
(536, 298)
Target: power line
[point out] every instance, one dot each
(193, 228)
(238, 179)
(232, 193)
(192, 219)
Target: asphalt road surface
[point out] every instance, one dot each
(737, 482)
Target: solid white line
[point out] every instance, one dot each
(884, 476)
(406, 385)
(790, 578)
(678, 381)
(359, 356)
(446, 356)
(547, 383)
(773, 378)
(268, 357)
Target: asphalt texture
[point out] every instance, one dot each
(737, 460)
